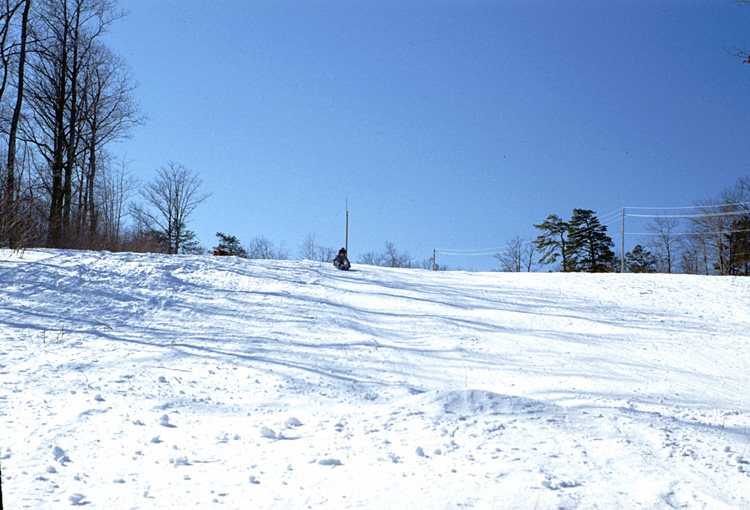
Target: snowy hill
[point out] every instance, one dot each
(145, 381)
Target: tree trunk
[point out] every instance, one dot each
(92, 174)
(72, 131)
(56, 231)
(10, 195)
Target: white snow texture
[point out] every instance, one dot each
(132, 381)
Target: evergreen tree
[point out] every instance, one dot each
(231, 244)
(588, 246)
(640, 260)
(552, 242)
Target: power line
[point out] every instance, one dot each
(482, 252)
(440, 250)
(701, 215)
(684, 207)
(615, 212)
(611, 216)
(449, 254)
(686, 233)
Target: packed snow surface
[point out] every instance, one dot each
(144, 381)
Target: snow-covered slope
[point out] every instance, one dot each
(144, 381)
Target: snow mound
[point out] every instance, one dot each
(479, 402)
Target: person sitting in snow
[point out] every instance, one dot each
(341, 262)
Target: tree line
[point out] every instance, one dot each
(64, 98)
(713, 240)
(262, 248)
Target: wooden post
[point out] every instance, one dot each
(622, 243)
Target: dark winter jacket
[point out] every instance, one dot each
(342, 262)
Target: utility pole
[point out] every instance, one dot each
(434, 259)
(346, 245)
(622, 243)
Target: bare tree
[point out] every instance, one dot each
(372, 259)
(737, 199)
(263, 248)
(307, 250)
(388, 258)
(325, 253)
(115, 188)
(694, 254)
(664, 241)
(518, 256)
(8, 11)
(395, 259)
(66, 34)
(172, 198)
(9, 206)
(429, 264)
(109, 114)
(712, 228)
(311, 250)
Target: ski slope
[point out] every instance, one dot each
(132, 381)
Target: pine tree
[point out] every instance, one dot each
(640, 260)
(588, 247)
(231, 244)
(552, 242)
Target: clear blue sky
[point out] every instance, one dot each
(446, 124)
